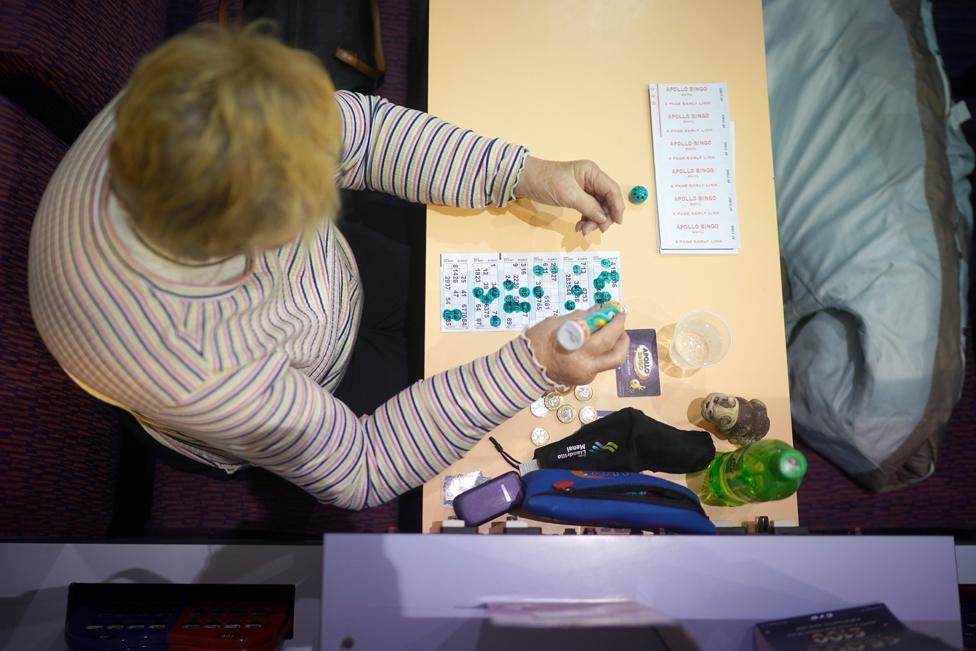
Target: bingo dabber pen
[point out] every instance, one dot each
(572, 335)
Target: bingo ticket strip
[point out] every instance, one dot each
(482, 292)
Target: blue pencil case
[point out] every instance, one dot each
(612, 499)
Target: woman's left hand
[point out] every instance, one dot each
(580, 185)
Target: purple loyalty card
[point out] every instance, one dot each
(639, 376)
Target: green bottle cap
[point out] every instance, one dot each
(791, 464)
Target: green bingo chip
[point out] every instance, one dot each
(599, 284)
(495, 321)
(577, 269)
(576, 291)
(614, 276)
(538, 292)
(448, 315)
(538, 270)
(606, 262)
(508, 284)
(494, 292)
(477, 292)
(526, 307)
(523, 291)
(569, 305)
(458, 314)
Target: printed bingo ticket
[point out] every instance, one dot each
(481, 292)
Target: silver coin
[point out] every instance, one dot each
(538, 408)
(540, 436)
(584, 392)
(587, 414)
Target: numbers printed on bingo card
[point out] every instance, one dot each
(486, 292)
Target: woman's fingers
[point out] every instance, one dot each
(616, 356)
(599, 184)
(606, 337)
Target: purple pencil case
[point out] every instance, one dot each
(491, 499)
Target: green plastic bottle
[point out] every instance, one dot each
(764, 471)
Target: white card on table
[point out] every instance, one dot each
(517, 274)
(483, 275)
(454, 293)
(482, 292)
(544, 273)
(693, 168)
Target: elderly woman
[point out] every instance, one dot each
(185, 266)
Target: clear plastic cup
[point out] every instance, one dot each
(701, 339)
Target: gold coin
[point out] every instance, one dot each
(583, 392)
(540, 436)
(566, 414)
(552, 401)
(587, 414)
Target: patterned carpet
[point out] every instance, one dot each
(946, 500)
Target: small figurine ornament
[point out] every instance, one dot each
(741, 421)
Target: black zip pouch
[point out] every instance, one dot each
(629, 441)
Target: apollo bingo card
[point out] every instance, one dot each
(483, 292)
(694, 168)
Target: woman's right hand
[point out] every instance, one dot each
(605, 349)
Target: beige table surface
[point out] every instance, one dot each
(568, 79)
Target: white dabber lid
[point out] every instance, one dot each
(572, 335)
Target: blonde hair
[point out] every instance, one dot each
(226, 140)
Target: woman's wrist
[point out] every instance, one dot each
(540, 365)
(528, 178)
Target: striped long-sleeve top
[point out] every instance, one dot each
(233, 365)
